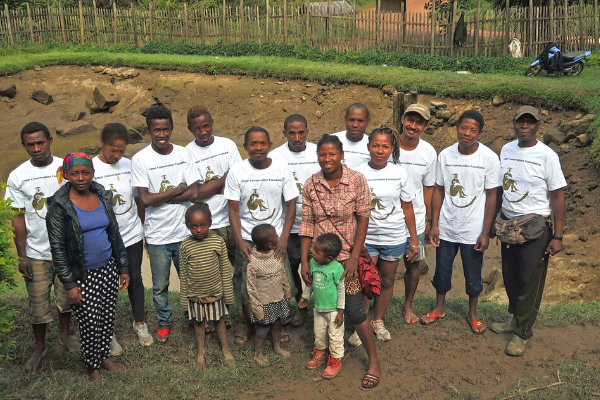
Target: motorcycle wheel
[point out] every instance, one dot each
(576, 69)
(533, 71)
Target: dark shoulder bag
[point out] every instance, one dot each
(519, 230)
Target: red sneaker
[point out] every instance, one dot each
(319, 358)
(334, 366)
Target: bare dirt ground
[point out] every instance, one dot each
(456, 361)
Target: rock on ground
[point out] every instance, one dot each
(9, 92)
(74, 128)
(583, 140)
(498, 101)
(91, 150)
(444, 113)
(42, 97)
(439, 104)
(388, 89)
(101, 101)
(554, 136)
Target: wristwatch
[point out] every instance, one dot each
(554, 237)
(428, 220)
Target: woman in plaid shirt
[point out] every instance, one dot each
(339, 197)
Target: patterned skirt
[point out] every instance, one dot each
(208, 311)
(274, 312)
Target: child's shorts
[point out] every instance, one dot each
(207, 312)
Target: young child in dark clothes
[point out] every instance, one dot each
(268, 290)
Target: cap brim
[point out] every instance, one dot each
(519, 115)
(421, 113)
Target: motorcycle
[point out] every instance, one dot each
(555, 62)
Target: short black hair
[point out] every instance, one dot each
(330, 243)
(474, 115)
(358, 105)
(33, 127)
(262, 234)
(196, 111)
(158, 112)
(326, 138)
(198, 207)
(114, 131)
(256, 129)
(294, 118)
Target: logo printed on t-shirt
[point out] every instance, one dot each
(256, 204)
(298, 184)
(210, 175)
(165, 185)
(509, 184)
(39, 201)
(456, 189)
(118, 200)
(377, 204)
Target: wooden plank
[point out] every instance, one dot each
(62, 22)
(81, 23)
(506, 29)
(432, 33)
(267, 23)
(134, 22)
(477, 28)
(565, 15)
(308, 22)
(50, 24)
(30, 22)
(202, 23)
(402, 30)
(378, 25)
(185, 23)
(596, 38)
(329, 27)
(242, 19)
(531, 31)
(150, 21)
(96, 22)
(285, 22)
(115, 35)
(453, 28)
(8, 25)
(224, 24)
(581, 27)
(552, 30)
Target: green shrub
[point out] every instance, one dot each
(8, 261)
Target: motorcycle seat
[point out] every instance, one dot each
(573, 55)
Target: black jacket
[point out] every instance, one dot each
(66, 238)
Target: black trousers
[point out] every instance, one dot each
(136, 286)
(524, 270)
(294, 257)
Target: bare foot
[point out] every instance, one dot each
(229, 360)
(409, 315)
(283, 353)
(261, 360)
(110, 365)
(96, 377)
(200, 363)
(71, 344)
(35, 361)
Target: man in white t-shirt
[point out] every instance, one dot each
(301, 158)
(28, 187)
(354, 139)
(166, 182)
(419, 159)
(532, 183)
(257, 189)
(213, 156)
(464, 203)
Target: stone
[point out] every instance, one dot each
(137, 133)
(596, 264)
(74, 128)
(127, 73)
(444, 114)
(493, 280)
(498, 101)
(388, 89)
(578, 126)
(166, 90)
(545, 113)
(9, 92)
(91, 150)
(554, 147)
(134, 148)
(578, 116)
(439, 104)
(570, 136)
(583, 237)
(430, 130)
(37, 68)
(436, 122)
(453, 120)
(583, 263)
(583, 140)
(101, 101)
(320, 100)
(42, 97)
(554, 136)
(319, 114)
(497, 144)
(591, 185)
(98, 69)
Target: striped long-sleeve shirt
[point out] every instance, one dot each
(204, 270)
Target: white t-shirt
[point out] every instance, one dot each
(212, 162)
(527, 175)
(465, 180)
(117, 179)
(420, 165)
(388, 186)
(260, 193)
(303, 165)
(164, 223)
(29, 187)
(355, 153)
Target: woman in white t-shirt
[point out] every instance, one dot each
(113, 171)
(392, 218)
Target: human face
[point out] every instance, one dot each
(380, 148)
(413, 125)
(330, 158)
(526, 128)
(113, 152)
(258, 146)
(296, 134)
(80, 177)
(356, 123)
(468, 132)
(202, 127)
(160, 130)
(199, 224)
(319, 255)
(37, 146)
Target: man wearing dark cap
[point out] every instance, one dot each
(419, 159)
(532, 187)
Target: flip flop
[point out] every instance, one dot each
(370, 381)
(162, 334)
(433, 316)
(477, 324)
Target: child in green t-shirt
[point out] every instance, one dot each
(329, 289)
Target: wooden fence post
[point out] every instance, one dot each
(202, 22)
(62, 23)
(402, 31)
(581, 28)
(453, 28)
(378, 25)
(115, 34)
(242, 19)
(354, 44)
(224, 22)
(8, 25)
(150, 21)
(185, 23)
(81, 23)
(531, 34)
(398, 108)
(96, 21)
(50, 25)
(565, 15)
(506, 29)
(31, 36)
(432, 50)
(285, 22)
(134, 23)
(267, 23)
(329, 27)
(170, 23)
(552, 27)
(308, 22)
(477, 27)
(596, 39)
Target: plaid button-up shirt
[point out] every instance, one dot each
(341, 204)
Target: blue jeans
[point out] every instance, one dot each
(472, 261)
(161, 256)
(389, 253)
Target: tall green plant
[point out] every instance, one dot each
(8, 262)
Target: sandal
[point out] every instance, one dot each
(162, 334)
(432, 316)
(370, 381)
(284, 338)
(477, 324)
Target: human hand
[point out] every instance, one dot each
(413, 251)
(281, 248)
(350, 269)
(302, 303)
(554, 247)
(339, 319)
(305, 271)
(434, 236)
(245, 250)
(25, 268)
(258, 312)
(427, 230)
(74, 296)
(181, 188)
(124, 281)
(483, 242)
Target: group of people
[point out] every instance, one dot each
(253, 231)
